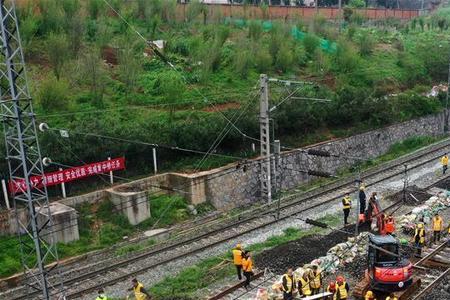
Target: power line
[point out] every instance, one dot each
(175, 148)
(164, 59)
(232, 170)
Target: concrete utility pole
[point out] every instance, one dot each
(266, 183)
(358, 186)
(277, 151)
(446, 101)
(24, 161)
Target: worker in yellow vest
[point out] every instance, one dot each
(303, 285)
(438, 226)
(444, 162)
(101, 295)
(315, 280)
(391, 297)
(331, 288)
(237, 260)
(342, 289)
(370, 296)
(288, 285)
(247, 267)
(139, 292)
(419, 238)
(346, 206)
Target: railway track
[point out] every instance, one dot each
(432, 268)
(86, 279)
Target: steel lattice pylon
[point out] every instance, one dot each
(24, 160)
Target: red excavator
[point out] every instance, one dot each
(387, 270)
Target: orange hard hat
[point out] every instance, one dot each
(332, 285)
(340, 279)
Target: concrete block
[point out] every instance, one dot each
(65, 223)
(132, 202)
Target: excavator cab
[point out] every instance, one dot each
(387, 269)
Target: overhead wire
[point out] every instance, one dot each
(132, 202)
(160, 55)
(154, 145)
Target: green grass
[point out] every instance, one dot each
(101, 227)
(402, 148)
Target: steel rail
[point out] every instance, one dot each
(431, 285)
(284, 207)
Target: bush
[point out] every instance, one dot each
(311, 43)
(254, 30)
(57, 50)
(242, 62)
(366, 43)
(51, 17)
(263, 60)
(171, 86)
(284, 58)
(345, 59)
(53, 95)
(275, 41)
(95, 7)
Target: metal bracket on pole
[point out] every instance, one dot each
(266, 183)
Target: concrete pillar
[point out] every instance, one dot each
(133, 203)
(65, 223)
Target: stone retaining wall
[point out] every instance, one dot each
(230, 186)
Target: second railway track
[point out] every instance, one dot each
(86, 279)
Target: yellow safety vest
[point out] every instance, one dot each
(444, 160)
(289, 281)
(315, 283)
(247, 265)
(342, 291)
(437, 223)
(137, 292)
(421, 235)
(347, 202)
(237, 257)
(389, 298)
(304, 286)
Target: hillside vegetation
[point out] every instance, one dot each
(90, 72)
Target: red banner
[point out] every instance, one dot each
(68, 175)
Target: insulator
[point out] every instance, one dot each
(316, 223)
(319, 152)
(46, 161)
(319, 174)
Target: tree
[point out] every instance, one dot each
(357, 3)
(171, 87)
(129, 67)
(94, 75)
(75, 35)
(57, 50)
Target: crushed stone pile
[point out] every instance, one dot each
(424, 213)
(338, 256)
